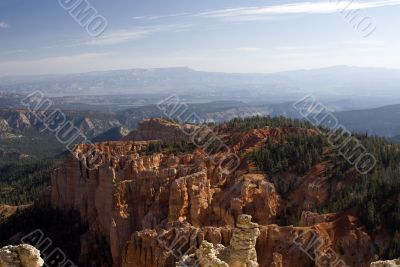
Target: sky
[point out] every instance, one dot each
(48, 36)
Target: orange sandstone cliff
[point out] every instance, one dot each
(152, 209)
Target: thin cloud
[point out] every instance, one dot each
(16, 51)
(247, 49)
(265, 12)
(4, 25)
(122, 36)
(278, 12)
(162, 16)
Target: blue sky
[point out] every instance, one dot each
(40, 37)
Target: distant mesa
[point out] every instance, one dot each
(160, 129)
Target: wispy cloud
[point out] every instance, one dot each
(12, 52)
(4, 25)
(277, 12)
(162, 16)
(122, 36)
(266, 12)
(247, 49)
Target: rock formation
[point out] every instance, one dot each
(154, 209)
(20, 256)
(242, 249)
(240, 253)
(209, 256)
(389, 263)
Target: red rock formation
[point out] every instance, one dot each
(153, 209)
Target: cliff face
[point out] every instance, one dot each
(153, 209)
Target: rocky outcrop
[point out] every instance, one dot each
(20, 256)
(7, 211)
(389, 263)
(160, 129)
(208, 255)
(242, 249)
(240, 253)
(190, 197)
(309, 218)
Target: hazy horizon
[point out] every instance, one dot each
(227, 36)
(201, 70)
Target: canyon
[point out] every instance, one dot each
(152, 209)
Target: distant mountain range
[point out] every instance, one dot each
(101, 104)
(351, 86)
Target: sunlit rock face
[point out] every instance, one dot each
(20, 256)
(389, 263)
(242, 249)
(153, 209)
(240, 253)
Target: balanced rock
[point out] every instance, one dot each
(242, 249)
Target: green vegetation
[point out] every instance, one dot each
(294, 152)
(22, 182)
(259, 122)
(374, 197)
(35, 145)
